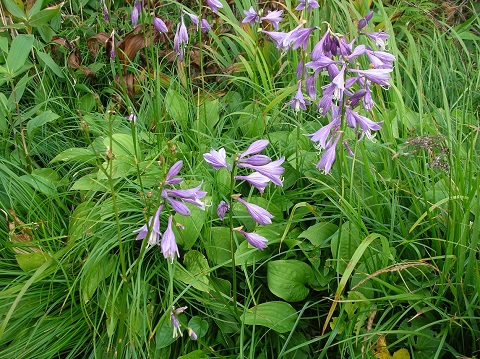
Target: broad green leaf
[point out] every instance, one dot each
(14, 9)
(251, 121)
(40, 120)
(89, 183)
(76, 155)
(122, 166)
(279, 316)
(195, 272)
(218, 249)
(344, 244)
(199, 326)
(95, 274)
(287, 279)
(192, 225)
(164, 335)
(44, 180)
(50, 63)
(31, 261)
(37, 6)
(122, 144)
(177, 107)
(209, 116)
(319, 233)
(42, 17)
(18, 53)
(197, 354)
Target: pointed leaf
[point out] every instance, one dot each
(287, 279)
(18, 53)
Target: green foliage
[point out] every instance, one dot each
(385, 246)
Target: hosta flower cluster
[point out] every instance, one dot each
(348, 91)
(265, 171)
(177, 199)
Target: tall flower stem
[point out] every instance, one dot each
(232, 239)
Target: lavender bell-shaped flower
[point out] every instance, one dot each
(298, 102)
(159, 25)
(137, 8)
(180, 40)
(272, 170)
(328, 157)
(214, 5)
(256, 179)
(218, 159)
(155, 234)
(274, 17)
(309, 4)
(175, 323)
(222, 209)
(251, 16)
(169, 244)
(255, 239)
(259, 214)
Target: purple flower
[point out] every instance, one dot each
(278, 38)
(191, 195)
(256, 179)
(222, 209)
(272, 170)
(367, 99)
(323, 134)
(255, 148)
(380, 59)
(297, 37)
(255, 240)
(328, 158)
(259, 214)
(169, 245)
(192, 334)
(320, 63)
(310, 86)
(274, 17)
(180, 40)
(106, 16)
(172, 172)
(250, 16)
(193, 18)
(155, 234)
(380, 38)
(205, 26)
(132, 118)
(216, 159)
(214, 5)
(339, 84)
(354, 120)
(256, 160)
(178, 206)
(159, 25)
(137, 8)
(309, 4)
(298, 101)
(379, 76)
(175, 323)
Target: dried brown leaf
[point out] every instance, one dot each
(94, 42)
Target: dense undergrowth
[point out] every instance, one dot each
(375, 257)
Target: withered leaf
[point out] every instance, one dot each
(94, 42)
(74, 61)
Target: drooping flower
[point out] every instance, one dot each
(193, 18)
(159, 25)
(272, 170)
(169, 244)
(191, 195)
(255, 160)
(378, 76)
(355, 120)
(222, 209)
(155, 234)
(214, 5)
(278, 38)
(328, 157)
(255, 239)
(297, 37)
(380, 38)
(258, 214)
(298, 101)
(205, 26)
(323, 135)
(180, 40)
(175, 323)
(309, 4)
(274, 17)
(310, 87)
(137, 8)
(218, 159)
(256, 179)
(192, 334)
(251, 16)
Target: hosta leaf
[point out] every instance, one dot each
(287, 279)
(278, 316)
